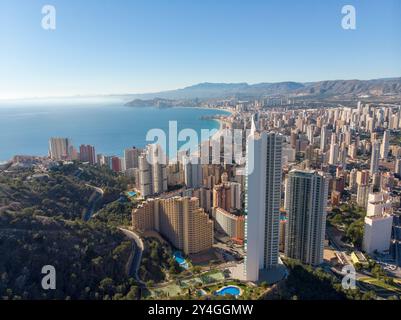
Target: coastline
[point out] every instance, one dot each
(194, 122)
(220, 130)
(217, 134)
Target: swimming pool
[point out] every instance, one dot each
(180, 260)
(131, 193)
(229, 290)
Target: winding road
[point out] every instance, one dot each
(97, 196)
(136, 256)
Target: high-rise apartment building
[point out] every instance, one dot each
(179, 219)
(192, 172)
(145, 176)
(374, 162)
(116, 164)
(87, 154)
(227, 196)
(152, 171)
(362, 195)
(334, 152)
(205, 197)
(59, 149)
(324, 133)
(385, 146)
(262, 202)
(306, 201)
(131, 158)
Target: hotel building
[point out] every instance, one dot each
(180, 220)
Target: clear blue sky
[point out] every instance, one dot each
(104, 46)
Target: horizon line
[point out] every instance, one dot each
(93, 95)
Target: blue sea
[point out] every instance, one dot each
(109, 125)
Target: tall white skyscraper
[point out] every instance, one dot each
(59, 148)
(305, 203)
(385, 146)
(262, 202)
(374, 162)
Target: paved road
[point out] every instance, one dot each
(97, 196)
(136, 256)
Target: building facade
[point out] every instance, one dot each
(262, 202)
(378, 224)
(231, 224)
(59, 149)
(306, 201)
(87, 154)
(152, 171)
(180, 220)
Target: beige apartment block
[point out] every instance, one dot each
(179, 219)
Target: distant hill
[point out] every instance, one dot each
(353, 88)
(331, 89)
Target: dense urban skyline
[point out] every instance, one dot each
(200, 150)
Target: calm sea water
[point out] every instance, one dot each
(26, 126)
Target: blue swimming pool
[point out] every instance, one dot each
(131, 193)
(230, 290)
(180, 260)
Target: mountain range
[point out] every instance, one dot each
(390, 88)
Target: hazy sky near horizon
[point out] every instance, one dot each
(121, 46)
